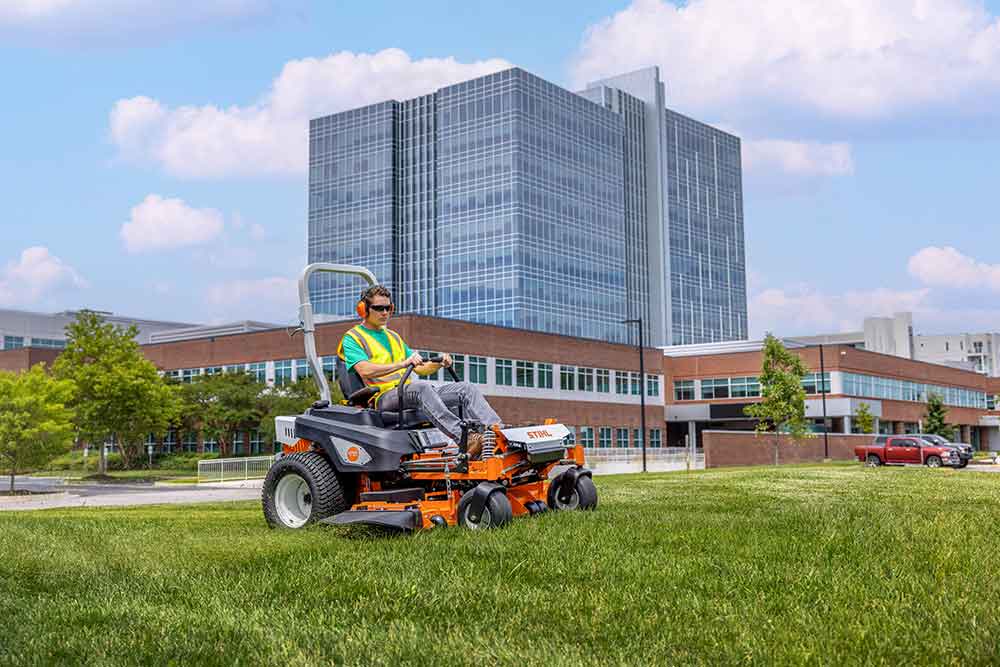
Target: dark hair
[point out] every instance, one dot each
(374, 291)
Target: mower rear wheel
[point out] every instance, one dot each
(583, 497)
(301, 489)
(496, 513)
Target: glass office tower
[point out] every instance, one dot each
(508, 200)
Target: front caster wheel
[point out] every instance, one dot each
(583, 496)
(496, 513)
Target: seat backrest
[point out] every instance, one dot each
(349, 381)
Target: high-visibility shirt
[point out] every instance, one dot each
(391, 350)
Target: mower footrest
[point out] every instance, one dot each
(397, 519)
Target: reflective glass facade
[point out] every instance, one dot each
(707, 254)
(508, 200)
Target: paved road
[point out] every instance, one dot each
(104, 495)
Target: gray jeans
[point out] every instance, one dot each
(438, 403)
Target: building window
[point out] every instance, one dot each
(571, 438)
(282, 372)
(683, 390)
(544, 376)
(654, 438)
(209, 446)
(585, 379)
(525, 374)
(302, 369)
(621, 437)
(213, 370)
(329, 367)
(587, 436)
(258, 371)
(169, 441)
(652, 385)
(234, 368)
(52, 343)
(621, 382)
(634, 377)
(636, 437)
(604, 437)
(13, 342)
(189, 374)
(603, 381)
(504, 372)
(812, 385)
(715, 388)
(477, 369)
(255, 442)
(457, 365)
(191, 441)
(238, 444)
(567, 378)
(744, 387)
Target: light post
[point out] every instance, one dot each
(642, 389)
(822, 389)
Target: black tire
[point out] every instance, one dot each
(963, 464)
(933, 462)
(584, 496)
(873, 461)
(496, 513)
(320, 496)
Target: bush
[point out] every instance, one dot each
(74, 461)
(181, 460)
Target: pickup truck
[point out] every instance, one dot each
(907, 450)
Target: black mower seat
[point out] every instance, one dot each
(359, 394)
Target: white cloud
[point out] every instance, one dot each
(270, 299)
(842, 58)
(36, 273)
(270, 136)
(797, 158)
(947, 267)
(804, 310)
(118, 21)
(163, 224)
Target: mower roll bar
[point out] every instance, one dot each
(306, 316)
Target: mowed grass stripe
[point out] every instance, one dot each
(822, 564)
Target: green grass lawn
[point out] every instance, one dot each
(768, 566)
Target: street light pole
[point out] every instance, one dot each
(642, 389)
(822, 389)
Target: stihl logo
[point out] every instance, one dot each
(539, 434)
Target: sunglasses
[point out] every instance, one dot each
(381, 309)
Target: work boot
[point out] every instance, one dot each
(474, 446)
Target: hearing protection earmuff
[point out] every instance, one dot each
(362, 308)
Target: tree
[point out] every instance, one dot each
(292, 399)
(934, 420)
(222, 405)
(35, 423)
(783, 404)
(864, 419)
(118, 392)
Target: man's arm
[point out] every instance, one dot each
(370, 371)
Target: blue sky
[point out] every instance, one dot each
(154, 154)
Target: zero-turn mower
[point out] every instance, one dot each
(354, 463)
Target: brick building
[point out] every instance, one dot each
(709, 385)
(590, 386)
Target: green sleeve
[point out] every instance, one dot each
(353, 353)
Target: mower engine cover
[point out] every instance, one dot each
(542, 443)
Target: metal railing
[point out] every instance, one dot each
(228, 470)
(674, 456)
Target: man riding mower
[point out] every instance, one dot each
(408, 455)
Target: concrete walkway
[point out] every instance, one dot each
(61, 495)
